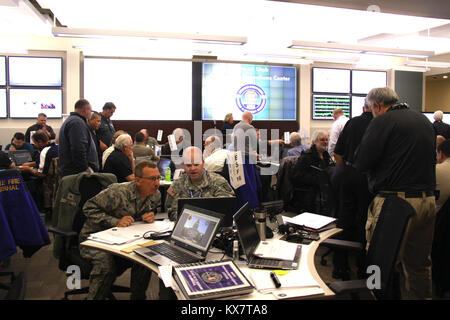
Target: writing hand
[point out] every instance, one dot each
(125, 221)
(148, 217)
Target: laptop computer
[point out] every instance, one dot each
(19, 157)
(249, 238)
(224, 205)
(191, 238)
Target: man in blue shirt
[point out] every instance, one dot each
(18, 143)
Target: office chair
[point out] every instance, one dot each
(89, 187)
(382, 252)
(16, 290)
(440, 252)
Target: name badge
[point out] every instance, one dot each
(236, 169)
(159, 137)
(172, 142)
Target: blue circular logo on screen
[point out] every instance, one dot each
(251, 98)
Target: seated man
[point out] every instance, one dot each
(18, 143)
(195, 182)
(41, 124)
(296, 145)
(121, 161)
(141, 150)
(306, 173)
(5, 161)
(119, 206)
(443, 173)
(214, 155)
(148, 140)
(110, 149)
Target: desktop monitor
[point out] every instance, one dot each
(35, 71)
(224, 205)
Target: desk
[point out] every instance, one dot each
(306, 263)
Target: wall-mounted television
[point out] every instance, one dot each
(28, 103)
(2, 71)
(363, 80)
(140, 89)
(357, 105)
(35, 71)
(324, 105)
(269, 92)
(3, 103)
(328, 80)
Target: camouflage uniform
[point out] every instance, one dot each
(211, 185)
(103, 212)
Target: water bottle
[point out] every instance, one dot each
(167, 174)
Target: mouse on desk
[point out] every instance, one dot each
(297, 238)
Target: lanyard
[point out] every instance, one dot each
(191, 193)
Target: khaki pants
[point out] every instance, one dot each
(415, 250)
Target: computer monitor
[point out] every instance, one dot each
(162, 164)
(224, 205)
(19, 157)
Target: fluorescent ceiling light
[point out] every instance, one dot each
(431, 64)
(309, 45)
(98, 33)
(413, 69)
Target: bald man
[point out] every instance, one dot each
(196, 182)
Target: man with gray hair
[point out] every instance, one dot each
(441, 128)
(245, 138)
(180, 140)
(297, 146)
(121, 161)
(196, 182)
(398, 151)
(214, 154)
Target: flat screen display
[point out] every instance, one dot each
(324, 105)
(357, 106)
(2, 71)
(269, 92)
(35, 71)
(2, 103)
(140, 89)
(331, 80)
(364, 81)
(28, 103)
(430, 116)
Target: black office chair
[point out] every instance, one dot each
(383, 251)
(16, 288)
(89, 187)
(440, 252)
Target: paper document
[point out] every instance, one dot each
(293, 279)
(276, 249)
(121, 235)
(310, 220)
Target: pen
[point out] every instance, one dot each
(275, 280)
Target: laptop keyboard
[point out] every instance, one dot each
(170, 252)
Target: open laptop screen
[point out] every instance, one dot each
(20, 156)
(246, 226)
(224, 205)
(196, 229)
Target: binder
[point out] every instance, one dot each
(211, 280)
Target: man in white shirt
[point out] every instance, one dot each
(336, 129)
(443, 173)
(214, 154)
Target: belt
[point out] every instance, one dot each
(408, 194)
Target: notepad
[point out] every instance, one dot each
(311, 221)
(276, 249)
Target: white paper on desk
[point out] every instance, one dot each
(276, 249)
(122, 235)
(310, 220)
(165, 273)
(297, 292)
(293, 279)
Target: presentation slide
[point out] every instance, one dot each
(269, 92)
(35, 71)
(357, 106)
(331, 80)
(28, 103)
(140, 89)
(324, 105)
(364, 81)
(2, 103)
(2, 71)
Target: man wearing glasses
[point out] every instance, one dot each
(119, 206)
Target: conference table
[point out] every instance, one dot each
(306, 264)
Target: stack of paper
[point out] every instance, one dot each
(311, 221)
(118, 235)
(276, 249)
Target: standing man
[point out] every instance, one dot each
(106, 130)
(94, 123)
(440, 127)
(336, 128)
(41, 124)
(77, 151)
(352, 193)
(119, 206)
(398, 152)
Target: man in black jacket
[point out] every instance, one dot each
(441, 128)
(77, 151)
(41, 124)
(306, 176)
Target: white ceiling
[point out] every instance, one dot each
(270, 26)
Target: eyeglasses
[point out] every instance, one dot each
(152, 179)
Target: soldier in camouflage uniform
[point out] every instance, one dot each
(195, 182)
(119, 206)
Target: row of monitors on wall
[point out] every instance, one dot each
(28, 103)
(31, 71)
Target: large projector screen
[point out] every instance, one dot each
(28, 103)
(268, 92)
(140, 89)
